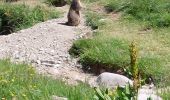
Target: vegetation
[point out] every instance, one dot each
(134, 69)
(107, 51)
(19, 16)
(109, 46)
(165, 95)
(58, 3)
(128, 92)
(20, 81)
(11, 0)
(93, 20)
(154, 12)
(119, 93)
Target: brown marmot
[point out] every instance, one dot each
(74, 13)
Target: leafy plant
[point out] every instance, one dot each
(119, 93)
(134, 66)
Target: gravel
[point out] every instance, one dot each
(46, 45)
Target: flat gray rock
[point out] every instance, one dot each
(111, 80)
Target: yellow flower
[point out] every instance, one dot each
(23, 95)
(12, 80)
(12, 94)
(35, 86)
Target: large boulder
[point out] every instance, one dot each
(111, 80)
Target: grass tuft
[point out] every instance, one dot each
(14, 17)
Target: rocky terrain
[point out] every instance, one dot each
(46, 46)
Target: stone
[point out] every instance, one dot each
(59, 62)
(53, 71)
(111, 80)
(78, 78)
(146, 92)
(38, 62)
(57, 65)
(58, 98)
(147, 96)
(16, 55)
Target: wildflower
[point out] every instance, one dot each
(12, 94)
(35, 86)
(13, 80)
(24, 95)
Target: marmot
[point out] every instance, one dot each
(74, 13)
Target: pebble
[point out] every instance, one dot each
(57, 65)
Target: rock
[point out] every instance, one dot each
(16, 55)
(78, 78)
(91, 82)
(146, 92)
(38, 62)
(57, 65)
(53, 71)
(147, 96)
(111, 80)
(58, 98)
(58, 62)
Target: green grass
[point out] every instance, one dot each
(109, 46)
(20, 81)
(103, 51)
(155, 12)
(109, 51)
(165, 95)
(14, 17)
